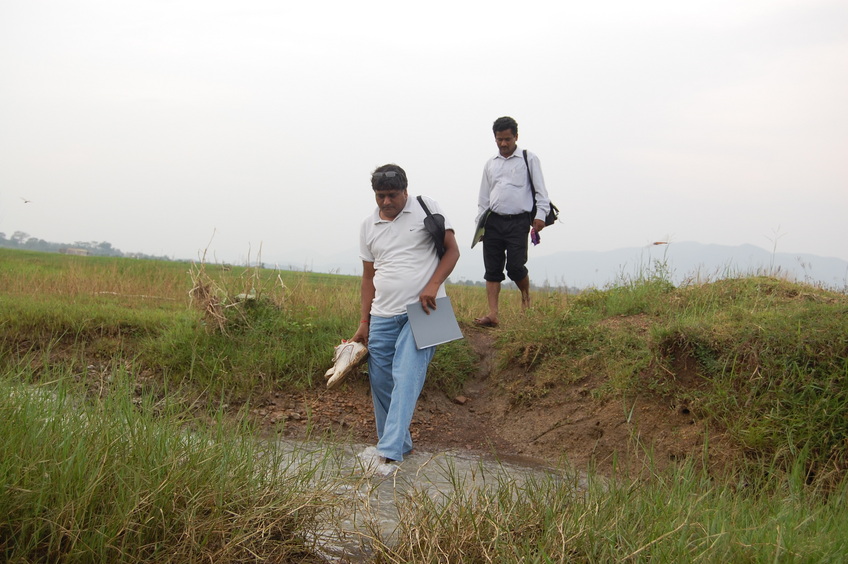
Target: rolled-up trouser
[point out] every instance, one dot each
(505, 243)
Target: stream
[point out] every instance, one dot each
(369, 495)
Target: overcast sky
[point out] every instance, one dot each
(174, 127)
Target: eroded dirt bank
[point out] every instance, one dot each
(567, 421)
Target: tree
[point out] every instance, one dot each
(19, 237)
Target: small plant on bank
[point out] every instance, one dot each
(226, 300)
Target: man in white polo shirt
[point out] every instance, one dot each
(399, 266)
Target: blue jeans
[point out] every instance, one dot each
(397, 370)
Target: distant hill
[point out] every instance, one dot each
(581, 269)
(685, 261)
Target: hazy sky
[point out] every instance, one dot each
(174, 127)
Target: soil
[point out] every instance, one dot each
(567, 425)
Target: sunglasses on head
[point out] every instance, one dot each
(387, 174)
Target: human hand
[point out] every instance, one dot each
(428, 298)
(538, 225)
(534, 237)
(361, 335)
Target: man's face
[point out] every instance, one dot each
(390, 202)
(506, 142)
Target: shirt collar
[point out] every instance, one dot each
(516, 153)
(406, 209)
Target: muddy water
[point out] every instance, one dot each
(369, 496)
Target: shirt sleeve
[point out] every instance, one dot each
(435, 207)
(543, 201)
(484, 195)
(364, 252)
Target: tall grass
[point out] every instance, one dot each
(762, 360)
(223, 330)
(121, 479)
(769, 358)
(679, 515)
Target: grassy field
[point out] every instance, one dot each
(106, 365)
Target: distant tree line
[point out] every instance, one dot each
(21, 240)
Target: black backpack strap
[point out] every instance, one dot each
(553, 214)
(423, 205)
(529, 176)
(532, 188)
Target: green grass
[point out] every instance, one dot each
(122, 479)
(112, 370)
(771, 357)
(679, 515)
(152, 314)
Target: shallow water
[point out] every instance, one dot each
(368, 499)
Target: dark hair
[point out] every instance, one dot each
(397, 182)
(504, 123)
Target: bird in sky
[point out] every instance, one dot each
(25, 200)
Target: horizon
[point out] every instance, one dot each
(577, 269)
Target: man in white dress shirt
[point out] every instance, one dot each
(505, 192)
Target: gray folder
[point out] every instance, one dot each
(434, 329)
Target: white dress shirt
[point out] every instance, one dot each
(505, 188)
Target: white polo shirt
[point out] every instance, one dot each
(403, 254)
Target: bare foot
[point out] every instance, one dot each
(486, 321)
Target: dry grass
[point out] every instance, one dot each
(208, 297)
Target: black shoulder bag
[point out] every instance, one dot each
(434, 223)
(553, 213)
